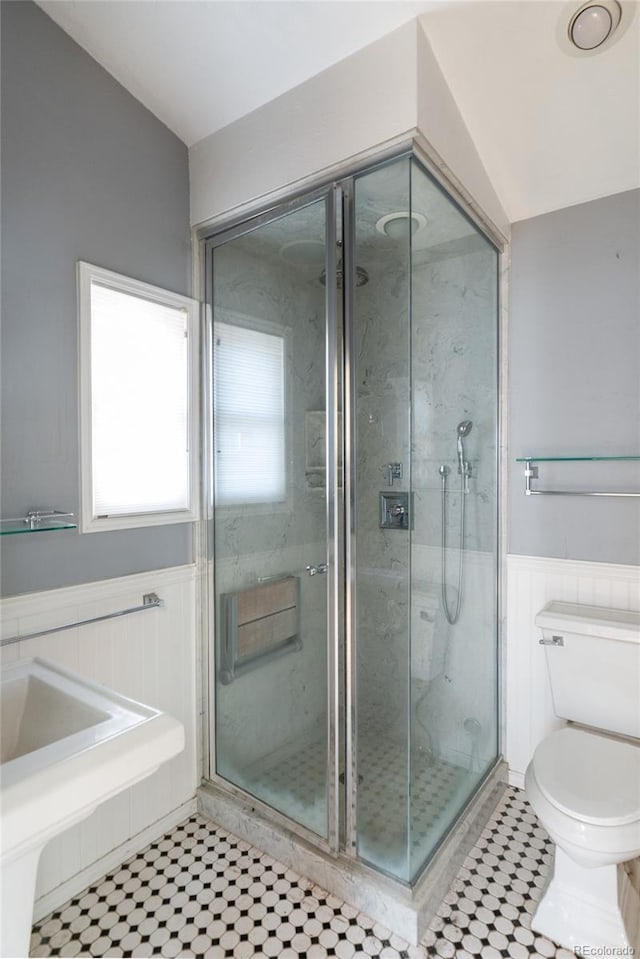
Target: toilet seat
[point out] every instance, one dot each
(589, 776)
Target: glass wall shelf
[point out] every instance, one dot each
(531, 473)
(571, 459)
(38, 521)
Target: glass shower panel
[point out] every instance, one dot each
(454, 356)
(381, 549)
(424, 355)
(270, 541)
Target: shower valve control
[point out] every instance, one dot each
(394, 511)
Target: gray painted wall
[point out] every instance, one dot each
(574, 377)
(87, 173)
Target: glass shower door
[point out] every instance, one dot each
(271, 548)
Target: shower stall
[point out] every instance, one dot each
(353, 526)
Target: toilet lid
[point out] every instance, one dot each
(589, 776)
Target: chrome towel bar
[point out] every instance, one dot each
(531, 472)
(149, 601)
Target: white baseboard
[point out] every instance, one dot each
(86, 877)
(516, 779)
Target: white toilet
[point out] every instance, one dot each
(584, 779)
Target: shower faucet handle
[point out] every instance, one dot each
(316, 570)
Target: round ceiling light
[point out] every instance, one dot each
(303, 253)
(594, 23)
(394, 225)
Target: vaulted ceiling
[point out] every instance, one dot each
(552, 129)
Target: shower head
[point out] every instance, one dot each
(362, 277)
(464, 428)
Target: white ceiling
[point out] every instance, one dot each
(552, 129)
(200, 64)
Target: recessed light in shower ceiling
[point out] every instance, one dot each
(394, 225)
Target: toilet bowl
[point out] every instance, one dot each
(583, 782)
(585, 788)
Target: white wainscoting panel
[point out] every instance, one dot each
(149, 656)
(531, 583)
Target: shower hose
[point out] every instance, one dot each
(452, 617)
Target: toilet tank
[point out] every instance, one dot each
(593, 658)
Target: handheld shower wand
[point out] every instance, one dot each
(464, 469)
(464, 466)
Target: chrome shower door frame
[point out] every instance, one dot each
(333, 364)
(209, 240)
(350, 758)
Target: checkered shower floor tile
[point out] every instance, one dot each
(296, 776)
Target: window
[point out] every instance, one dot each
(138, 402)
(249, 418)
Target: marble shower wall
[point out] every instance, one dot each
(284, 699)
(381, 382)
(382, 437)
(454, 374)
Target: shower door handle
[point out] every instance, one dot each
(316, 570)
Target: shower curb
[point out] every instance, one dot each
(404, 909)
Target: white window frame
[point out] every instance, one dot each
(87, 274)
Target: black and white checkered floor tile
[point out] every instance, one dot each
(488, 910)
(200, 891)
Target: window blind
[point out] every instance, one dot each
(140, 404)
(249, 418)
